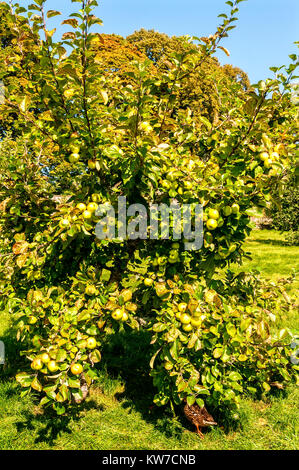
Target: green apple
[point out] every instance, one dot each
(182, 307)
(81, 206)
(87, 215)
(185, 318)
(126, 295)
(36, 364)
(117, 314)
(64, 223)
(268, 163)
(235, 208)
(125, 317)
(188, 185)
(92, 206)
(212, 224)
(91, 343)
(91, 164)
(196, 322)
(264, 156)
(213, 214)
(45, 358)
(187, 327)
(227, 211)
(209, 237)
(52, 366)
(148, 282)
(74, 157)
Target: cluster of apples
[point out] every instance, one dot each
(189, 321)
(173, 257)
(45, 362)
(213, 219)
(120, 313)
(86, 211)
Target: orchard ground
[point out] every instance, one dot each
(120, 417)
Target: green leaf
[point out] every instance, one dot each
(191, 400)
(59, 408)
(105, 275)
(200, 402)
(61, 355)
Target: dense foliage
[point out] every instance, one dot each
(284, 211)
(88, 134)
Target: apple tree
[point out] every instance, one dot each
(86, 137)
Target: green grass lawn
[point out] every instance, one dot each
(118, 415)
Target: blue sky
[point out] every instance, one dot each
(263, 38)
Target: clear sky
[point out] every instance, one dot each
(263, 38)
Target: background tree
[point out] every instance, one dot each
(87, 137)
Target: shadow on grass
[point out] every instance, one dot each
(48, 426)
(126, 357)
(268, 241)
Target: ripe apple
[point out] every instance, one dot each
(64, 223)
(187, 327)
(235, 208)
(87, 215)
(182, 307)
(185, 318)
(74, 157)
(125, 317)
(81, 206)
(76, 369)
(45, 358)
(117, 314)
(213, 214)
(148, 282)
(264, 156)
(268, 163)
(91, 343)
(52, 366)
(91, 164)
(196, 322)
(92, 207)
(212, 224)
(36, 364)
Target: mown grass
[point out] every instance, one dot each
(118, 412)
